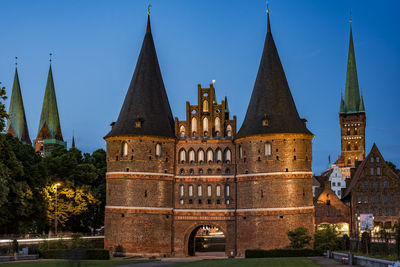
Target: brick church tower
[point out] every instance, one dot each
(49, 134)
(274, 176)
(140, 163)
(352, 115)
(16, 123)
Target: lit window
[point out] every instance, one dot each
(199, 190)
(227, 190)
(158, 150)
(229, 130)
(194, 125)
(182, 131)
(268, 149)
(228, 155)
(218, 190)
(217, 124)
(219, 155)
(124, 149)
(200, 155)
(181, 190)
(190, 190)
(182, 156)
(209, 190)
(240, 152)
(191, 156)
(205, 125)
(210, 156)
(205, 106)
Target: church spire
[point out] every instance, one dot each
(352, 92)
(16, 123)
(271, 108)
(146, 109)
(49, 125)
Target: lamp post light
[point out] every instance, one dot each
(55, 211)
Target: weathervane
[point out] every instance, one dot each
(350, 20)
(148, 9)
(51, 54)
(267, 7)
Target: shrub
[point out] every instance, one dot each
(325, 239)
(299, 237)
(397, 238)
(276, 253)
(15, 246)
(76, 254)
(78, 242)
(345, 242)
(365, 242)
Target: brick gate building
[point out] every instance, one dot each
(167, 177)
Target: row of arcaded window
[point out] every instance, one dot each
(201, 172)
(376, 199)
(206, 129)
(199, 192)
(379, 211)
(375, 185)
(202, 156)
(373, 171)
(125, 149)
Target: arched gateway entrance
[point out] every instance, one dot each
(206, 240)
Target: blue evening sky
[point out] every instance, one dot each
(96, 45)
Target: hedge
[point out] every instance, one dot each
(276, 253)
(76, 254)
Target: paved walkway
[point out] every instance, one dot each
(325, 262)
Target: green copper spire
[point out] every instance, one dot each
(342, 108)
(226, 105)
(352, 92)
(49, 119)
(362, 107)
(16, 124)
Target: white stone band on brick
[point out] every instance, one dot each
(143, 173)
(208, 210)
(271, 173)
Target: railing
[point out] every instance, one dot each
(351, 259)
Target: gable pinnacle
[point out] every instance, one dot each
(268, 22)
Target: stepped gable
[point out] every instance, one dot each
(16, 123)
(146, 109)
(271, 108)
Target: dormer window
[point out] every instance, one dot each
(265, 121)
(138, 124)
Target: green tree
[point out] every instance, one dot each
(397, 238)
(325, 239)
(392, 165)
(3, 112)
(299, 238)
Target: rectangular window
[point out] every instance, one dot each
(379, 199)
(366, 199)
(365, 185)
(181, 190)
(378, 185)
(359, 199)
(385, 197)
(218, 190)
(338, 193)
(392, 199)
(199, 191)
(378, 171)
(339, 183)
(372, 199)
(380, 212)
(393, 211)
(371, 171)
(209, 190)
(385, 184)
(339, 212)
(333, 184)
(227, 191)
(372, 185)
(386, 211)
(190, 190)
(377, 159)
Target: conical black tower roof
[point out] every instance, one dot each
(271, 108)
(146, 101)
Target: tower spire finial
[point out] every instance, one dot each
(148, 9)
(16, 61)
(268, 23)
(51, 54)
(148, 29)
(350, 19)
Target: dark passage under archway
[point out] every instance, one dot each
(206, 240)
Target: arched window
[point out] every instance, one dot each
(199, 190)
(158, 150)
(182, 156)
(205, 106)
(205, 125)
(228, 155)
(124, 149)
(210, 156)
(194, 125)
(355, 131)
(217, 124)
(191, 156)
(227, 191)
(229, 130)
(209, 193)
(348, 146)
(227, 171)
(190, 188)
(219, 155)
(268, 149)
(182, 171)
(218, 190)
(181, 190)
(200, 155)
(240, 152)
(182, 131)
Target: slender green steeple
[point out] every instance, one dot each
(49, 126)
(226, 105)
(362, 107)
(342, 108)
(352, 93)
(16, 123)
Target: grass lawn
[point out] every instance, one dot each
(265, 262)
(65, 263)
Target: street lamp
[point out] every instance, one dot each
(55, 210)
